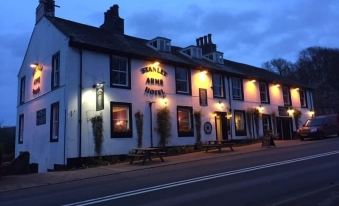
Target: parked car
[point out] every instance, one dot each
(319, 127)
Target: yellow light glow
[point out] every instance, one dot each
(33, 66)
(296, 89)
(154, 75)
(250, 90)
(163, 101)
(203, 76)
(220, 106)
(253, 81)
(277, 85)
(229, 116)
(311, 113)
(290, 112)
(261, 109)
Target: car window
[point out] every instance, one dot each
(314, 122)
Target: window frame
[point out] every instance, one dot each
(55, 71)
(22, 90)
(51, 138)
(267, 93)
(44, 112)
(240, 132)
(288, 95)
(128, 73)
(222, 86)
(191, 132)
(305, 98)
(188, 79)
(118, 135)
(21, 129)
(241, 98)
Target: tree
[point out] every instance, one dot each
(280, 66)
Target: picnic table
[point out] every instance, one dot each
(217, 144)
(145, 154)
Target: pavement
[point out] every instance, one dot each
(18, 182)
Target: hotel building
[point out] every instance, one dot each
(72, 73)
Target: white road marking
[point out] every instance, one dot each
(197, 179)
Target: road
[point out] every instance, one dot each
(298, 175)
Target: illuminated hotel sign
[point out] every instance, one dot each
(154, 79)
(37, 78)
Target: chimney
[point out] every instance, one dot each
(45, 8)
(206, 44)
(198, 42)
(113, 23)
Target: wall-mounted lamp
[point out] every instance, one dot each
(163, 101)
(34, 65)
(290, 111)
(203, 75)
(311, 113)
(260, 109)
(253, 81)
(296, 89)
(277, 85)
(228, 115)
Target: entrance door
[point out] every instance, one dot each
(266, 123)
(221, 126)
(284, 127)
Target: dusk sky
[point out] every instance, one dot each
(247, 31)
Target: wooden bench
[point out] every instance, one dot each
(145, 154)
(217, 145)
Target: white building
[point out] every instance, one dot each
(73, 72)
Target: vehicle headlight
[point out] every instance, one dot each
(313, 130)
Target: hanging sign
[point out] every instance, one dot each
(99, 97)
(154, 80)
(37, 78)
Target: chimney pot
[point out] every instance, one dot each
(205, 40)
(201, 39)
(45, 8)
(209, 38)
(113, 23)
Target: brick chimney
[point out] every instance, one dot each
(113, 22)
(206, 44)
(45, 8)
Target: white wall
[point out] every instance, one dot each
(36, 139)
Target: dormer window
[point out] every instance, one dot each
(160, 44)
(192, 52)
(216, 57)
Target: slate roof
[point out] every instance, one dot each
(90, 37)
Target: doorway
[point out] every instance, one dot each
(221, 126)
(285, 128)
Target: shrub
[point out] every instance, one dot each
(163, 126)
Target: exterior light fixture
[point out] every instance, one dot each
(253, 81)
(260, 109)
(277, 85)
(228, 116)
(34, 65)
(296, 89)
(203, 75)
(164, 101)
(99, 93)
(311, 113)
(290, 111)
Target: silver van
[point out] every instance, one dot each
(319, 127)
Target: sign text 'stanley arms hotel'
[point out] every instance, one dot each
(73, 72)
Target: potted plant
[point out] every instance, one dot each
(163, 126)
(139, 117)
(97, 128)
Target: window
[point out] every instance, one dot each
(22, 90)
(240, 123)
(121, 120)
(54, 131)
(21, 129)
(303, 99)
(185, 121)
(120, 72)
(182, 81)
(41, 117)
(56, 70)
(286, 96)
(266, 123)
(203, 97)
(237, 89)
(218, 86)
(264, 94)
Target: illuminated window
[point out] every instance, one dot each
(240, 123)
(286, 96)
(218, 86)
(22, 90)
(55, 122)
(182, 79)
(56, 70)
(264, 94)
(185, 121)
(120, 72)
(121, 120)
(21, 129)
(303, 99)
(237, 89)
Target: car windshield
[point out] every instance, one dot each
(314, 122)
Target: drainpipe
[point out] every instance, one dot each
(80, 106)
(230, 102)
(151, 121)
